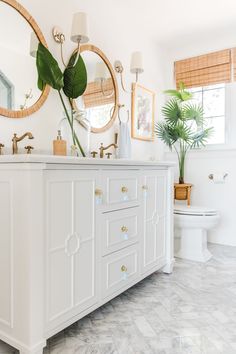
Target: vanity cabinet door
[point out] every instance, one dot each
(70, 244)
(154, 214)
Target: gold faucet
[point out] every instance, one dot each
(16, 140)
(102, 149)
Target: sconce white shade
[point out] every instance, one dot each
(34, 42)
(79, 31)
(101, 71)
(136, 65)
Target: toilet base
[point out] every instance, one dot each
(191, 244)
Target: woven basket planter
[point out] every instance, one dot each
(182, 191)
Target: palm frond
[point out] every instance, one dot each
(171, 134)
(174, 93)
(186, 96)
(200, 138)
(172, 112)
(164, 132)
(182, 132)
(181, 94)
(194, 112)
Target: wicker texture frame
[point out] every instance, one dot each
(38, 104)
(92, 48)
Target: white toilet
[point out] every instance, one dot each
(191, 225)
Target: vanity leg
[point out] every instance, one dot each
(34, 351)
(168, 268)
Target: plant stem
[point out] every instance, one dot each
(73, 130)
(181, 158)
(74, 136)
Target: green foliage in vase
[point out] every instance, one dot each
(73, 81)
(183, 127)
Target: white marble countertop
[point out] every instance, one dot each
(51, 159)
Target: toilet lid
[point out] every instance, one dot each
(193, 210)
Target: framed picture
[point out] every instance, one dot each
(143, 106)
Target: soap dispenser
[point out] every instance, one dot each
(59, 145)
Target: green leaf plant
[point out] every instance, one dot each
(72, 82)
(183, 127)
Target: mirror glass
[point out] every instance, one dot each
(18, 73)
(98, 104)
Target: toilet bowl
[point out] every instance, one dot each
(191, 224)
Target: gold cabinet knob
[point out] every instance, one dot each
(145, 187)
(98, 192)
(124, 229)
(124, 189)
(123, 269)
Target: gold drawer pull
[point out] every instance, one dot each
(98, 192)
(145, 188)
(124, 189)
(124, 229)
(123, 269)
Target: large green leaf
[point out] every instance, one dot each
(181, 94)
(75, 78)
(194, 112)
(41, 84)
(172, 112)
(163, 131)
(48, 69)
(182, 132)
(200, 137)
(173, 93)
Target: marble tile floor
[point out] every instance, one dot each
(192, 311)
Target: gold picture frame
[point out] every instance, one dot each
(142, 113)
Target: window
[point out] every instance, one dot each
(212, 99)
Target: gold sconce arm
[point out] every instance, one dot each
(136, 68)
(60, 38)
(79, 34)
(119, 70)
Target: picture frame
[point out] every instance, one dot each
(142, 113)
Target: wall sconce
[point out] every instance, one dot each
(136, 67)
(101, 74)
(79, 33)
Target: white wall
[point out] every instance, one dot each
(112, 31)
(200, 164)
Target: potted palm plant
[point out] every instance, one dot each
(71, 83)
(183, 127)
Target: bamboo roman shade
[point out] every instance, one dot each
(233, 58)
(205, 70)
(94, 96)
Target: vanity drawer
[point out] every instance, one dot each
(119, 270)
(120, 229)
(121, 187)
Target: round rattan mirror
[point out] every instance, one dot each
(99, 103)
(19, 36)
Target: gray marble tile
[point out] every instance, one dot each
(192, 311)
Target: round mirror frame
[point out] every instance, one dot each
(92, 48)
(38, 104)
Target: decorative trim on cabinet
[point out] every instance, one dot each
(8, 241)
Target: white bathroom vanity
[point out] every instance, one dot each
(75, 233)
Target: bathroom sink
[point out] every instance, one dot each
(52, 159)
